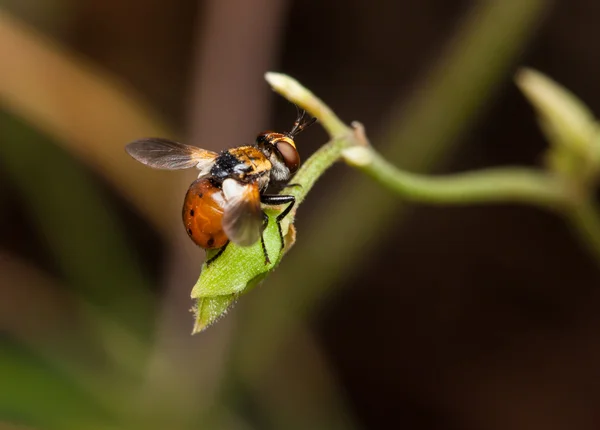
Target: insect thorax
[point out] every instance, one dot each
(245, 163)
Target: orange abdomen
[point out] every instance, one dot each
(203, 213)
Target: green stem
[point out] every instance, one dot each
(511, 184)
(495, 185)
(585, 221)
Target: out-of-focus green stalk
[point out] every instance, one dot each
(37, 394)
(585, 222)
(77, 225)
(359, 214)
(79, 231)
(574, 152)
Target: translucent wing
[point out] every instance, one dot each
(167, 154)
(243, 216)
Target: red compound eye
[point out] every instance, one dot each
(290, 155)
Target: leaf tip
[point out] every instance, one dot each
(208, 310)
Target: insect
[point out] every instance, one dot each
(224, 203)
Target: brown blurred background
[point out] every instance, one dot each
(421, 318)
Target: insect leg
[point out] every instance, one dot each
(217, 255)
(262, 239)
(274, 200)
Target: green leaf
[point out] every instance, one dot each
(235, 271)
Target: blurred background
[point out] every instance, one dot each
(385, 314)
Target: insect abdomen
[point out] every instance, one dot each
(203, 214)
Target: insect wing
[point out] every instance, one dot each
(243, 216)
(167, 154)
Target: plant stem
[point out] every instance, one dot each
(511, 184)
(495, 185)
(585, 221)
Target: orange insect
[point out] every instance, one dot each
(224, 203)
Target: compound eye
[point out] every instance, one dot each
(290, 155)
